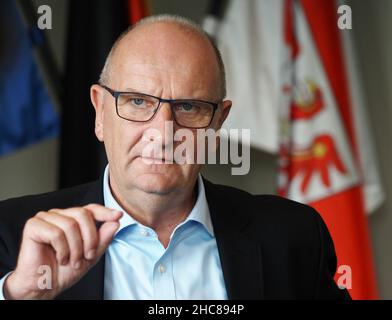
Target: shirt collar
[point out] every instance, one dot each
(199, 213)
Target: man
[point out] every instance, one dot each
(155, 229)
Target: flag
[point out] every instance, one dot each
(137, 10)
(93, 28)
(320, 158)
(247, 35)
(293, 79)
(27, 114)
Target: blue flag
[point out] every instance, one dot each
(27, 114)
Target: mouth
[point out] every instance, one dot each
(151, 160)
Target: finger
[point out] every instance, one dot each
(101, 213)
(88, 229)
(72, 233)
(44, 232)
(106, 233)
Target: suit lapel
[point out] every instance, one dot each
(240, 256)
(91, 286)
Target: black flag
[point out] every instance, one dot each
(93, 28)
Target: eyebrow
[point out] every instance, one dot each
(131, 90)
(192, 98)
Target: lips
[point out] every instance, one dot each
(149, 160)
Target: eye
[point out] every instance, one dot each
(187, 107)
(137, 101)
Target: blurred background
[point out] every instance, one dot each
(47, 138)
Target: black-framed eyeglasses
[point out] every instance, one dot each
(141, 107)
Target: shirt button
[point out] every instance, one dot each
(144, 232)
(161, 268)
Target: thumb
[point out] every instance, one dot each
(106, 234)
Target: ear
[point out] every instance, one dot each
(223, 112)
(97, 99)
(221, 115)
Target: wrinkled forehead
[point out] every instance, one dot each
(165, 52)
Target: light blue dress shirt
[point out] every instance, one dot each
(137, 266)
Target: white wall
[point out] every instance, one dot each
(372, 28)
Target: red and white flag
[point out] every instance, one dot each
(137, 10)
(293, 80)
(320, 157)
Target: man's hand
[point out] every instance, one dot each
(65, 240)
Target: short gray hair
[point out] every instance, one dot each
(181, 21)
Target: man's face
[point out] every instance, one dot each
(165, 61)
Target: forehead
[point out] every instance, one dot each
(163, 52)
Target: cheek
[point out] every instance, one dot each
(120, 137)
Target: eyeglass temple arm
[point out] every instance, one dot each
(112, 92)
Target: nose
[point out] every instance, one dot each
(164, 122)
(164, 113)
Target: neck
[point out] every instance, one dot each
(162, 213)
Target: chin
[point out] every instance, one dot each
(155, 178)
(157, 183)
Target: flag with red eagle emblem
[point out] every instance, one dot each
(319, 148)
(292, 76)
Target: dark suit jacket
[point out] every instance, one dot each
(270, 247)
